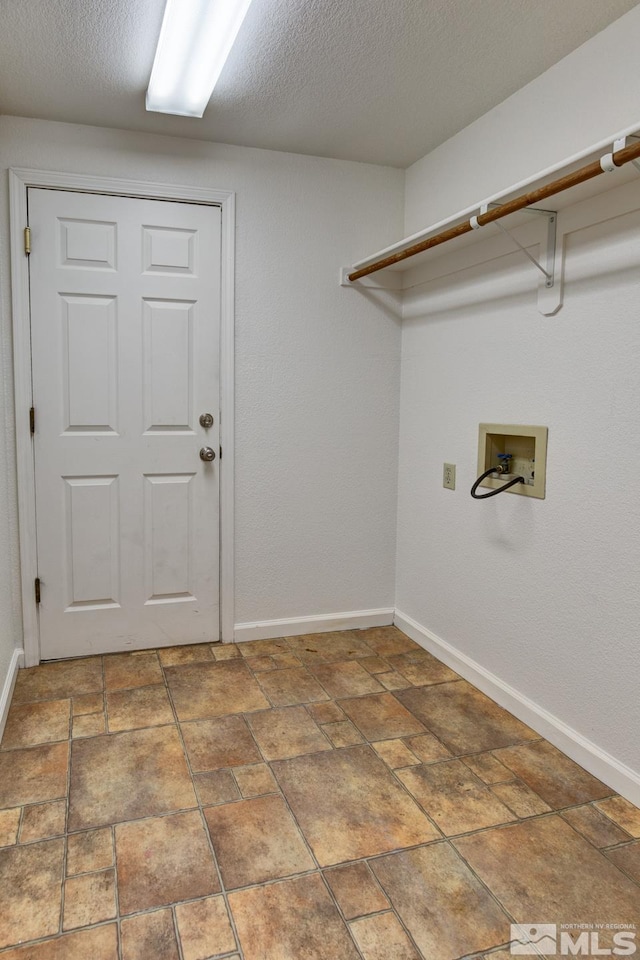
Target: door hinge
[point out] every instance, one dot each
(27, 240)
(32, 420)
(37, 589)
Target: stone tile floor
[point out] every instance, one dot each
(340, 796)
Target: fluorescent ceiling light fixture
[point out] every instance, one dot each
(195, 41)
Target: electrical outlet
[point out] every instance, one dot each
(449, 476)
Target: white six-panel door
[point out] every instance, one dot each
(125, 319)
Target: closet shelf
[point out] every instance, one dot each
(574, 179)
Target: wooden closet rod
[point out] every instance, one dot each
(618, 159)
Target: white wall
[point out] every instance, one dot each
(317, 369)
(543, 594)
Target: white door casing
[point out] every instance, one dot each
(125, 313)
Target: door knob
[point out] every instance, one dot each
(207, 454)
(206, 420)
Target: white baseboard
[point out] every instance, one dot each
(7, 689)
(601, 764)
(294, 627)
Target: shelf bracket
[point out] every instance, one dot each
(550, 290)
(546, 273)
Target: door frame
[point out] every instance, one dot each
(20, 179)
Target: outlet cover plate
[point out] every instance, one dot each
(449, 476)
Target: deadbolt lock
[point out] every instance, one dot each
(206, 420)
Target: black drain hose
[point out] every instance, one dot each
(492, 493)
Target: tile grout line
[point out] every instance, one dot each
(112, 826)
(623, 870)
(621, 845)
(65, 844)
(334, 900)
(112, 831)
(21, 821)
(205, 827)
(486, 886)
(176, 931)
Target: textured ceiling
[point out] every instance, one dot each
(383, 81)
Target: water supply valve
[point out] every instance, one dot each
(504, 465)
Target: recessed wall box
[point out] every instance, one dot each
(528, 449)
